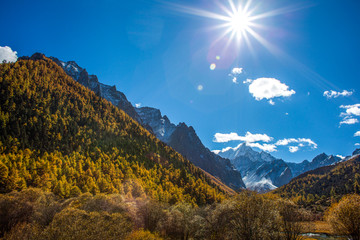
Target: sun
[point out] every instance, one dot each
(239, 22)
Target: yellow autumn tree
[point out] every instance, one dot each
(344, 217)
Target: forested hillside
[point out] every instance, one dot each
(57, 135)
(324, 185)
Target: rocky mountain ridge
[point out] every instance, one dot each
(110, 93)
(263, 172)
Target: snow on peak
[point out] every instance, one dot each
(243, 150)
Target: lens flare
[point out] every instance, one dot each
(212, 66)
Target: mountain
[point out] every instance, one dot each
(260, 170)
(263, 172)
(323, 185)
(161, 126)
(356, 152)
(319, 161)
(110, 93)
(57, 135)
(245, 151)
(185, 140)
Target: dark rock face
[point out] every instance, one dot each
(356, 152)
(160, 125)
(91, 81)
(185, 141)
(35, 56)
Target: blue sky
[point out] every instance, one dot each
(159, 54)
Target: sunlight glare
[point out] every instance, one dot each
(240, 21)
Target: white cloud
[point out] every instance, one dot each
(269, 88)
(357, 144)
(253, 140)
(265, 147)
(334, 94)
(247, 81)
(137, 105)
(249, 137)
(272, 102)
(236, 71)
(351, 110)
(349, 121)
(293, 149)
(226, 137)
(300, 141)
(357, 134)
(7, 54)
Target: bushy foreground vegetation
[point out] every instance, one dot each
(344, 217)
(35, 214)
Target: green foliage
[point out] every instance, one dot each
(61, 137)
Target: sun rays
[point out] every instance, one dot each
(240, 21)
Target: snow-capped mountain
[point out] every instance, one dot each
(263, 172)
(245, 151)
(260, 170)
(181, 137)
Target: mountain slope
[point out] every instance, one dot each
(324, 183)
(161, 126)
(185, 140)
(57, 135)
